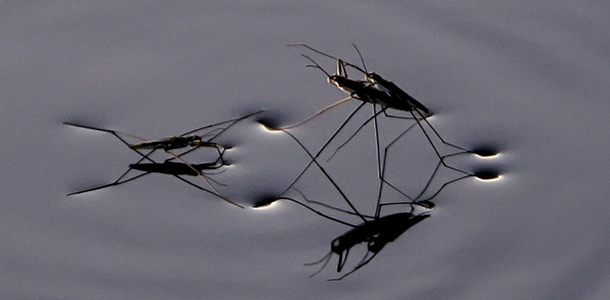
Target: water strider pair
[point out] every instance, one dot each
(375, 230)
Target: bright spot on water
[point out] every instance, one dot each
(491, 179)
(488, 156)
(272, 205)
(270, 130)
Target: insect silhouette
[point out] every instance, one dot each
(398, 98)
(357, 89)
(168, 166)
(375, 89)
(394, 98)
(374, 231)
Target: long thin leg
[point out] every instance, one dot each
(413, 201)
(430, 180)
(319, 112)
(205, 178)
(196, 186)
(117, 135)
(382, 176)
(383, 110)
(377, 150)
(345, 211)
(380, 192)
(115, 183)
(233, 121)
(424, 204)
(380, 170)
(443, 186)
(442, 158)
(353, 135)
(118, 180)
(213, 166)
(434, 174)
(417, 199)
(422, 117)
(438, 135)
(386, 150)
(328, 206)
(327, 176)
(323, 146)
(387, 114)
(319, 213)
(332, 137)
(362, 263)
(114, 132)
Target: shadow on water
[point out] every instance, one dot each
(375, 230)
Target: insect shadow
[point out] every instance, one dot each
(176, 168)
(375, 231)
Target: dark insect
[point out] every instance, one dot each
(168, 166)
(376, 90)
